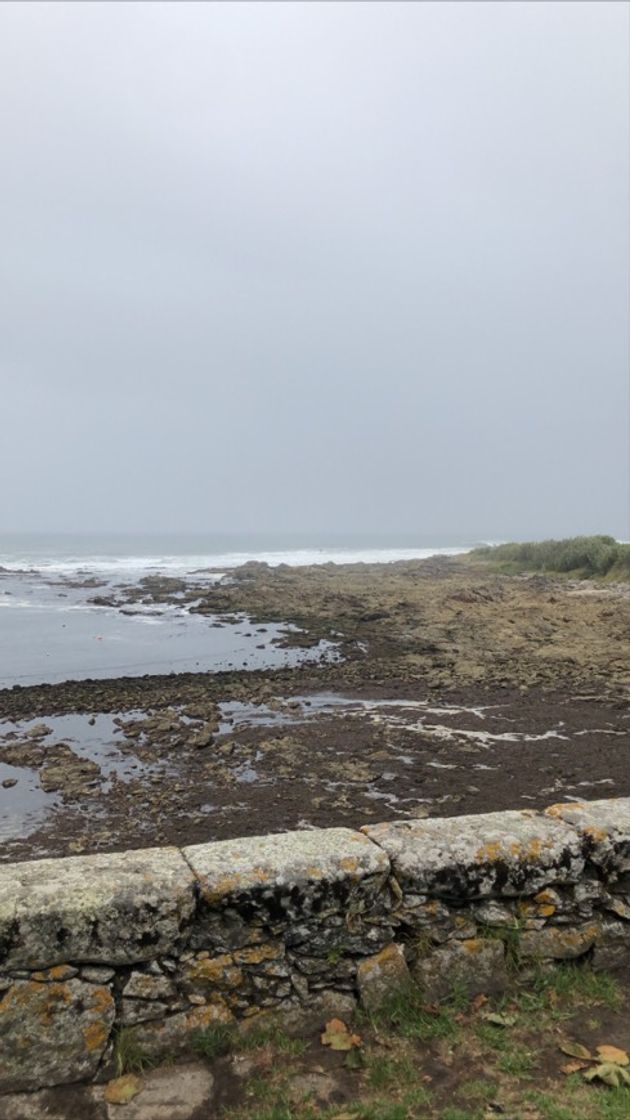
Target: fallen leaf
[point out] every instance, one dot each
(123, 1089)
(613, 1054)
(338, 1037)
(478, 1002)
(575, 1050)
(610, 1073)
(499, 1020)
(264, 1057)
(573, 1067)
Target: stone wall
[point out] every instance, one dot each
(166, 942)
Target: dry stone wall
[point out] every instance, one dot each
(166, 942)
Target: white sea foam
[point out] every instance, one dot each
(135, 567)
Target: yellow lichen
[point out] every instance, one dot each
(215, 1012)
(560, 808)
(95, 1036)
(349, 863)
(489, 852)
(472, 945)
(544, 896)
(596, 834)
(258, 953)
(215, 970)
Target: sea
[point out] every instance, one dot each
(51, 632)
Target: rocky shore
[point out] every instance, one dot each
(458, 690)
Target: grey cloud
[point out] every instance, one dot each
(315, 266)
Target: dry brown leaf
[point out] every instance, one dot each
(613, 1054)
(264, 1057)
(573, 1067)
(478, 1002)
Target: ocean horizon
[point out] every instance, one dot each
(51, 630)
(136, 554)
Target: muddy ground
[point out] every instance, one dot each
(460, 690)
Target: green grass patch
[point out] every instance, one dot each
(256, 1038)
(129, 1055)
(214, 1041)
(580, 556)
(382, 1110)
(496, 1038)
(579, 983)
(517, 1061)
(384, 1072)
(461, 1114)
(585, 1104)
(478, 1090)
(405, 1013)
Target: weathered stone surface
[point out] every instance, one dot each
(114, 909)
(380, 975)
(294, 1019)
(134, 1011)
(52, 1033)
(141, 985)
(283, 862)
(313, 890)
(612, 948)
(559, 943)
(174, 1035)
(97, 975)
(507, 853)
(289, 927)
(495, 914)
(69, 1103)
(56, 974)
(211, 975)
(476, 966)
(170, 1093)
(604, 827)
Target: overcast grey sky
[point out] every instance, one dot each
(314, 266)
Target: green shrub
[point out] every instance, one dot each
(585, 556)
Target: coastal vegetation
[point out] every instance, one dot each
(532, 1052)
(601, 556)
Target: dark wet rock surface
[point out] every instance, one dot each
(459, 692)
